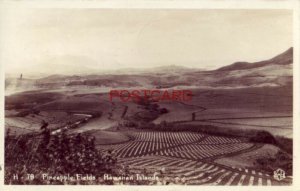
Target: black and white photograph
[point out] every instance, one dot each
(144, 96)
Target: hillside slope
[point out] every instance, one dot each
(285, 58)
(277, 71)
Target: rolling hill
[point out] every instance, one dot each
(276, 71)
(285, 58)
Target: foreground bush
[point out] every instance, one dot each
(54, 155)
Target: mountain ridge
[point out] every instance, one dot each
(281, 59)
(277, 71)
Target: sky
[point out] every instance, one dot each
(82, 40)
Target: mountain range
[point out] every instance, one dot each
(277, 71)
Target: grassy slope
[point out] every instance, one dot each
(107, 137)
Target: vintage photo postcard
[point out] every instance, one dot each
(142, 95)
